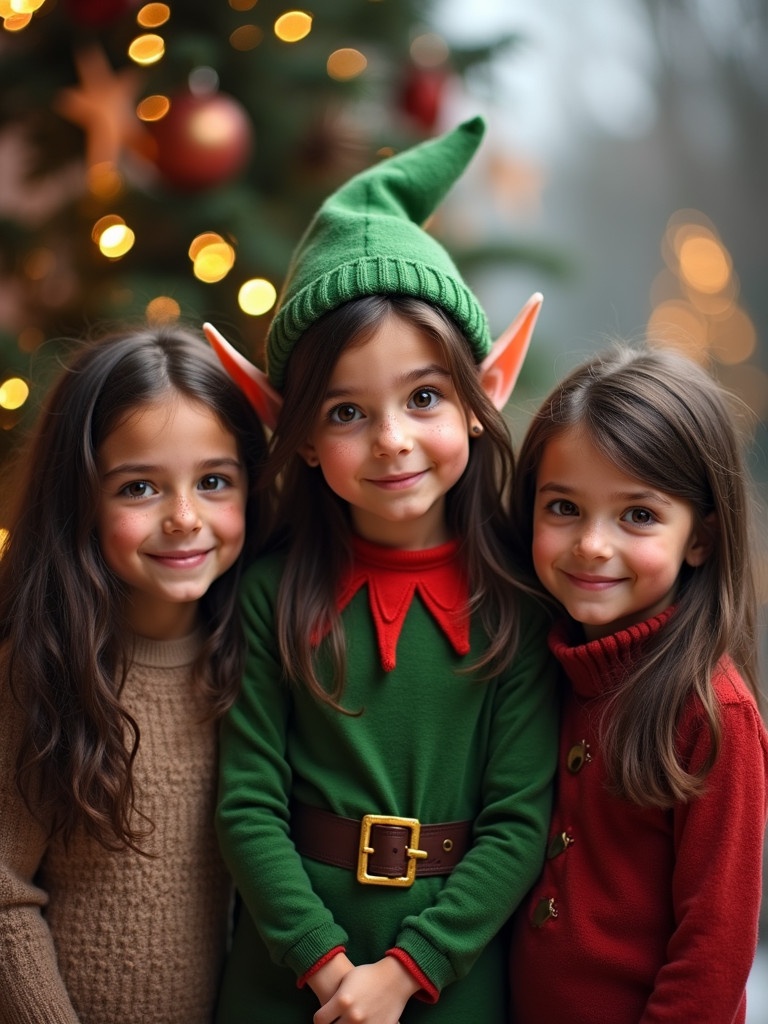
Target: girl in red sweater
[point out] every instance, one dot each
(632, 507)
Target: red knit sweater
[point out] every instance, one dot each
(643, 915)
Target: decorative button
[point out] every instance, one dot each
(559, 844)
(543, 911)
(578, 756)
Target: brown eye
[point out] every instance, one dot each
(424, 398)
(137, 489)
(344, 414)
(213, 482)
(639, 516)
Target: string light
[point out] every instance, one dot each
(153, 15)
(256, 296)
(147, 49)
(163, 310)
(17, 14)
(696, 299)
(153, 108)
(293, 26)
(101, 225)
(13, 393)
(24, 6)
(212, 257)
(116, 240)
(345, 64)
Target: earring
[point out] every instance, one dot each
(477, 429)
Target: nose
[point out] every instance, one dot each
(183, 515)
(392, 436)
(593, 541)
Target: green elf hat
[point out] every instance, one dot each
(367, 239)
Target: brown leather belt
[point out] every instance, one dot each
(382, 849)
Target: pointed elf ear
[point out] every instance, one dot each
(249, 378)
(500, 368)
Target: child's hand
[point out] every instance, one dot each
(325, 981)
(369, 994)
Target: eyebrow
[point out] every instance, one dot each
(412, 377)
(557, 488)
(147, 469)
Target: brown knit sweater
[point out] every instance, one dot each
(116, 938)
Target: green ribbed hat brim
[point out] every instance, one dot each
(367, 239)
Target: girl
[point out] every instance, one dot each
(632, 506)
(121, 647)
(385, 773)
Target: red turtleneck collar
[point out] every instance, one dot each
(595, 666)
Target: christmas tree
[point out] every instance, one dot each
(161, 160)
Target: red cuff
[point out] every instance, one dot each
(428, 993)
(320, 963)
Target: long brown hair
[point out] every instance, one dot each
(664, 420)
(61, 626)
(317, 522)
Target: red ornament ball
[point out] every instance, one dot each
(203, 141)
(421, 95)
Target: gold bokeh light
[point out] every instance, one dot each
(107, 221)
(704, 263)
(13, 393)
(147, 49)
(212, 257)
(345, 64)
(293, 26)
(256, 296)
(153, 15)
(153, 108)
(163, 310)
(116, 240)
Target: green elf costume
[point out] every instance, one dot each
(458, 767)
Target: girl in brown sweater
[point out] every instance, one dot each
(121, 648)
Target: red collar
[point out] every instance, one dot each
(394, 576)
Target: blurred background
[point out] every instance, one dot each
(160, 161)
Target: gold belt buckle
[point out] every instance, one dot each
(365, 850)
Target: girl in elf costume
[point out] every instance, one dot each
(632, 505)
(386, 771)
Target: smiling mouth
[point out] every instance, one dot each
(180, 559)
(586, 582)
(397, 482)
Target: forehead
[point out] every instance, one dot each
(572, 455)
(392, 351)
(170, 420)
